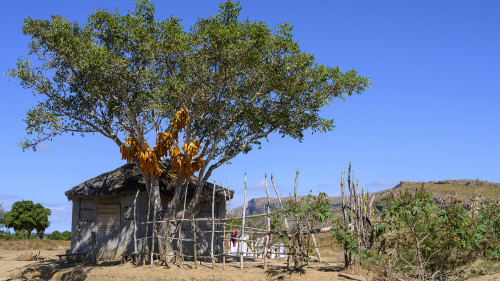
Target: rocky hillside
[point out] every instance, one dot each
(468, 192)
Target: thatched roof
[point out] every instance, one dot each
(128, 178)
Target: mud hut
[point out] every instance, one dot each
(105, 205)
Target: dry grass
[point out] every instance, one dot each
(34, 245)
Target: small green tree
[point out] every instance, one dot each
(25, 215)
(55, 235)
(2, 214)
(348, 240)
(3, 231)
(304, 215)
(66, 235)
(429, 240)
(485, 228)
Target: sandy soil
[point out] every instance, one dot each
(49, 269)
(9, 265)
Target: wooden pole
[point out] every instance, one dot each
(224, 231)
(167, 236)
(243, 222)
(342, 190)
(135, 220)
(213, 228)
(93, 254)
(279, 201)
(145, 240)
(194, 245)
(344, 217)
(153, 230)
(268, 223)
(316, 247)
(296, 185)
(285, 221)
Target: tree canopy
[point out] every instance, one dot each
(57, 235)
(25, 215)
(126, 76)
(2, 219)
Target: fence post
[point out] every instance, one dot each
(153, 230)
(194, 245)
(135, 221)
(243, 222)
(93, 254)
(224, 231)
(213, 227)
(285, 221)
(268, 224)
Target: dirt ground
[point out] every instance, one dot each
(49, 269)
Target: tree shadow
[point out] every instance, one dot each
(46, 270)
(280, 272)
(331, 268)
(109, 263)
(75, 274)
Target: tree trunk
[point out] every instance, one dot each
(173, 207)
(28, 237)
(153, 189)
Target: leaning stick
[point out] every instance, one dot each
(349, 277)
(316, 247)
(279, 200)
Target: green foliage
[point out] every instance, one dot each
(2, 218)
(127, 75)
(419, 239)
(66, 235)
(25, 215)
(17, 235)
(346, 239)
(485, 228)
(56, 235)
(302, 216)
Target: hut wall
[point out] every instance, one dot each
(112, 221)
(114, 231)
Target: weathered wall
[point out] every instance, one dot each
(111, 244)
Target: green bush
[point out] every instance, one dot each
(420, 239)
(18, 235)
(56, 235)
(303, 216)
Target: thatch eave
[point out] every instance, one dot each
(128, 178)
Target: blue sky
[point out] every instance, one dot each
(432, 112)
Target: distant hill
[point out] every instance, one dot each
(467, 192)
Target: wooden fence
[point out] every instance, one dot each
(256, 242)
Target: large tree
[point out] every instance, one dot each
(2, 219)
(25, 215)
(128, 77)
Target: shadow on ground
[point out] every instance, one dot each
(281, 272)
(47, 270)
